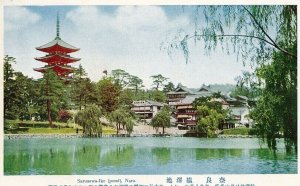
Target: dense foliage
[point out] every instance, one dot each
(107, 94)
(64, 115)
(52, 93)
(122, 116)
(162, 119)
(266, 38)
(89, 119)
(276, 108)
(83, 90)
(210, 114)
(48, 98)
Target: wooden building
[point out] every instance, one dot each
(146, 109)
(176, 96)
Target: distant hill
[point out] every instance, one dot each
(223, 88)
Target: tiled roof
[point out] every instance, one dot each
(69, 58)
(182, 90)
(54, 66)
(57, 41)
(143, 103)
(190, 98)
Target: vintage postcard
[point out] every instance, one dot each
(182, 93)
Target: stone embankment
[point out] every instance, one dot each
(236, 136)
(31, 136)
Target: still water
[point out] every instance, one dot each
(145, 155)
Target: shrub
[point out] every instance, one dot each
(64, 115)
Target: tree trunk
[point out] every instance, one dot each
(163, 130)
(80, 102)
(49, 113)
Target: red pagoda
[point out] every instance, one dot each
(57, 57)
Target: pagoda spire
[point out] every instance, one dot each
(57, 26)
(57, 57)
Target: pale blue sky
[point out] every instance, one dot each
(116, 37)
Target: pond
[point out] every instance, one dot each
(145, 155)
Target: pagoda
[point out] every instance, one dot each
(57, 57)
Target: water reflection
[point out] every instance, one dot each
(135, 156)
(120, 156)
(202, 154)
(47, 162)
(267, 154)
(86, 157)
(162, 155)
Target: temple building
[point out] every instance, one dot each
(57, 57)
(146, 109)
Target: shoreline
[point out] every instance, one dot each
(45, 136)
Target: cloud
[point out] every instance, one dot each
(129, 38)
(126, 37)
(129, 19)
(117, 37)
(18, 17)
(127, 29)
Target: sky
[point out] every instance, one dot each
(117, 37)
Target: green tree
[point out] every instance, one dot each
(8, 71)
(24, 92)
(108, 94)
(9, 86)
(209, 102)
(52, 92)
(208, 120)
(249, 85)
(120, 77)
(83, 90)
(266, 36)
(210, 114)
(169, 87)
(158, 96)
(89, 119)
(121, 117)
(19, 92)
(126, 98)
(276, 108)
(129, 122)
(161, 119)
(158, 81)
(136, 83)
(247, 31)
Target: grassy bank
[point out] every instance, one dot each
(34, 127)
(239, 131)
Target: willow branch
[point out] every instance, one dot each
(267, 35)
(232, 35)
(241, 35)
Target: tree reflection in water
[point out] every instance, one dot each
(202, 154)
(121, 156)
(162, 155)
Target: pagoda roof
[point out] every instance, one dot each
(57, 45)
(56, 68)
(57, 58)
(145, 103)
